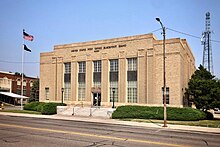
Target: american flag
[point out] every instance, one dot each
(26, 36)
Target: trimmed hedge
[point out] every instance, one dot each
(44, 108)
(31, 106)
(145, 112)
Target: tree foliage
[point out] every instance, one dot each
(204, 89)
(34, 96)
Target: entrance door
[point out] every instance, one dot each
(96, 99)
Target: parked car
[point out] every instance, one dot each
(216, 110)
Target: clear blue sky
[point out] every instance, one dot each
(55, 22)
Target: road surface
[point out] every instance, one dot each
(34, 132)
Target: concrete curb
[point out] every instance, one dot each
(118, 122)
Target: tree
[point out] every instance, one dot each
(204, 89)
(19, 74)
(34, 91)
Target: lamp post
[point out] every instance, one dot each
(62, 95)
(113, 98)
(164, 73)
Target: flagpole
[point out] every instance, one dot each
(22, 70)
(24, 47)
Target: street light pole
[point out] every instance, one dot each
(113, 98)
(164, 75)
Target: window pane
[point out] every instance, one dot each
(115, 86)
(97, 66)
(114, 65)
(82, 67)
(132, 92)
(47, 93)
(132, 64)
(81, 91)
(67, 91)
(67, 67)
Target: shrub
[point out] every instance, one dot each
(31, 106)
(50, 108)
(44, 108)
(144, 112)
(185, 114)
(39, 107)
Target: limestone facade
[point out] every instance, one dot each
(143, 53)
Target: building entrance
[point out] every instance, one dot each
(96, 99)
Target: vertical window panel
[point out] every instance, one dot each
(67, 81)
(82, 67)
(47, 93)
(114, 85)
(67, 67)
(113, 78)
(132, 80)
(113, 65)
(97, 66)
(97, 73)
(81, 91)
(81, 81)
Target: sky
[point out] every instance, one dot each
(56, 22)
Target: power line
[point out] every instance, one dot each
(184, 33)
(190, 35)
(215, 41)
(156, 30)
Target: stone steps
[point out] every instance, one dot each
(85, 111)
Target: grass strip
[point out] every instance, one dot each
(22, 111)
(201, 123)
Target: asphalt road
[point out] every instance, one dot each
(30, 132)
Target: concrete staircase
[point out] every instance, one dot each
(85, 111)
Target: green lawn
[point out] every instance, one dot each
(201, 123)
(21, 111)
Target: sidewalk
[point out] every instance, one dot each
(119, 122)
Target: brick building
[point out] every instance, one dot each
(132, 67)
(11, 82)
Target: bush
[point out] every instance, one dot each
(31, 106)
(39, 107)
(44, 108)
(144, 112)
(50, 108)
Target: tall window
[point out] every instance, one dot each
(132, 80)
(47, 93)
(113, 79)
(97, 73)
(81, 80)
(67, 81)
